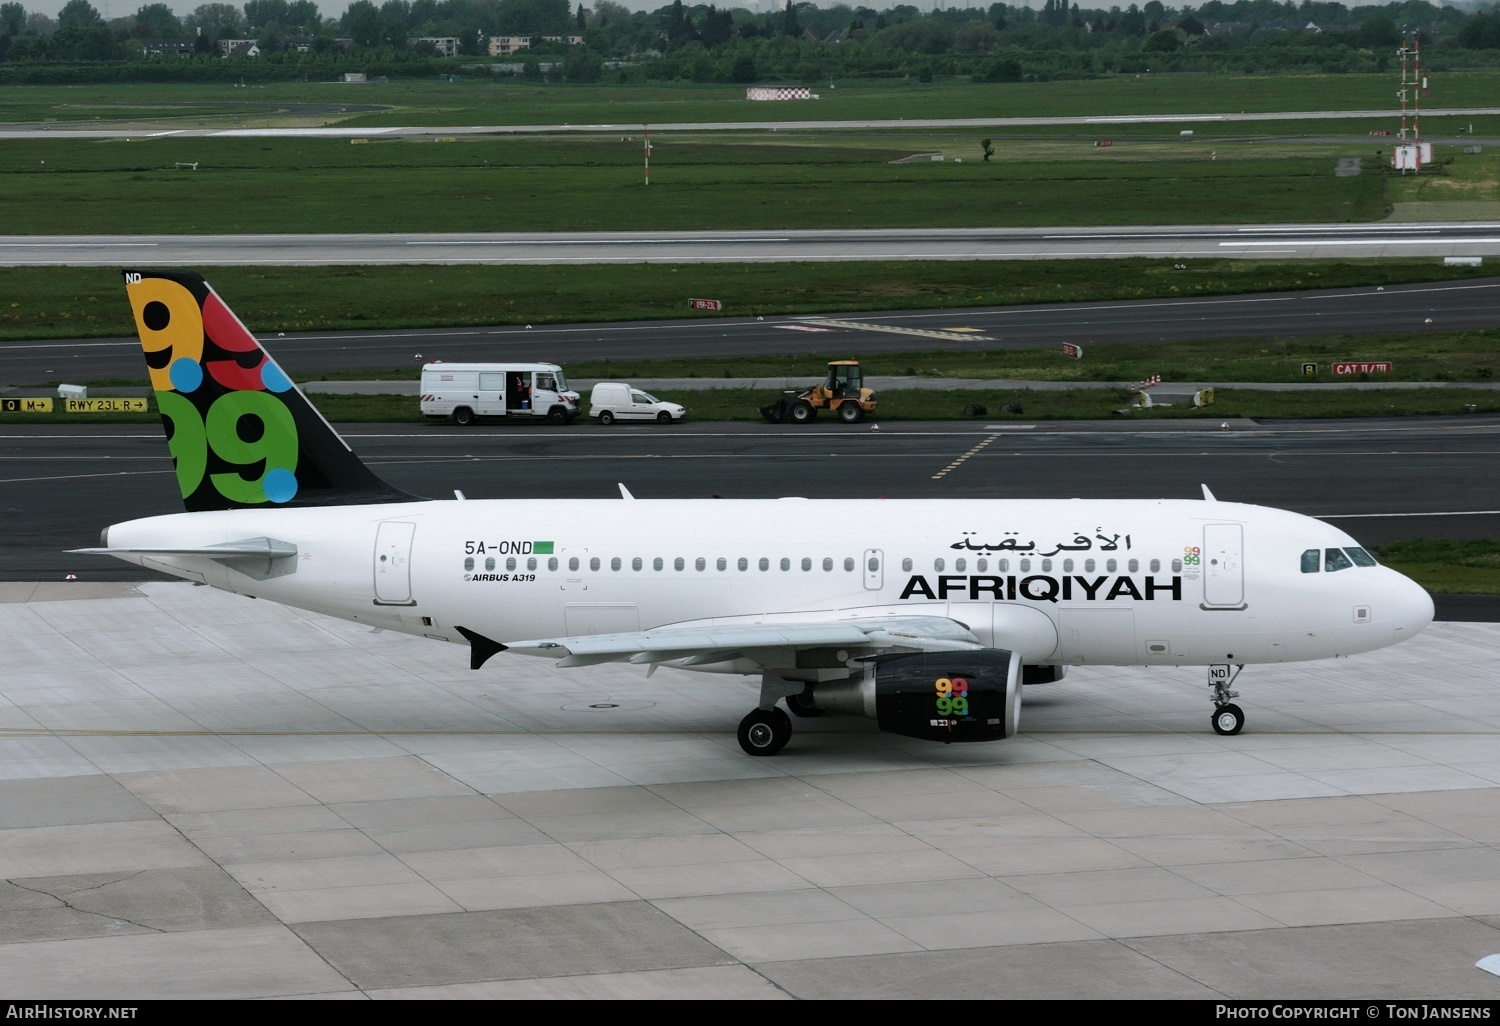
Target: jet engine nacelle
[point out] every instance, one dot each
(935, 696)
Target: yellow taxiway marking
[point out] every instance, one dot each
(952, 335)
(959, 462)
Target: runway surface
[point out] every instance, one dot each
(203, 796)
(1318, 313)
(1406, 239)
(1379, 480)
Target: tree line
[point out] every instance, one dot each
(707, 43)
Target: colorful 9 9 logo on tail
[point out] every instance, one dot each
(224, 402)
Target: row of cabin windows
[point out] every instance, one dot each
(939, 565)
(1330, 560)
(595, 563)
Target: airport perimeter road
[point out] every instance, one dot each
(1259, 242)
(1449, 306)
(1381, 481)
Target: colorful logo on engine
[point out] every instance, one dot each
(219, 393)
(952, 696)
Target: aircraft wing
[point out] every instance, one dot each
(767, 643)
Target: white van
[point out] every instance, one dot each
(615, 400)
(468, 391)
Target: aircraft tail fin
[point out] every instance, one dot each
(242, 434)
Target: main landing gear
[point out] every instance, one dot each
(766, 730)
(1228, 718)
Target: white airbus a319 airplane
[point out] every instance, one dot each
(927, 615)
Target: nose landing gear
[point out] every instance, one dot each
(1228, 718)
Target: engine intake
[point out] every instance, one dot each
(935, 696)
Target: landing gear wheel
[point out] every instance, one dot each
(850, 413)
(803, 412)
(1228, 719)
(765, 733)
(802, 705)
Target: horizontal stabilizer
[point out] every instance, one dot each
(256, 548)
(260, 558)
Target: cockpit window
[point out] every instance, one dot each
(1334, 559)
(1360, 556)
(1311, 559)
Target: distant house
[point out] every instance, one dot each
(238, 48)
(504, 46)
(445, 45)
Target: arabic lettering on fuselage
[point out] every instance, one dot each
(1011, 543)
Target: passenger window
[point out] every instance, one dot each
(1155, 565)
(981, 564)
(1025, 565)
(849, 564)
(656, 564)
(1310, 561)
(1067, 566)
(469, 563)
(510, 564)
(786, 564)
(806, 563)
(1135, 565)
(635, 564)
(614, 563)
(722, 564)
(1360, 556)
(872, 564)
(678, 564)
(573, 563)
(906, 565)
(1088, 566)
(594, 563)
(765, 564)
(1109, 566)
(700, 563)
(1177, 566)
(960, 565)
(1334, 559)
(531, 562)
(489, 563)
(552, 563)
(827, 564)
(1046, 566)
(938, 564)
(1002, 565)
(743, 564)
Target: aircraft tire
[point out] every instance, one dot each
(765, 733)
(1228, 719)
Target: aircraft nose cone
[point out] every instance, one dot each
(1412, 607)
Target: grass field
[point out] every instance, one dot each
(481, 100)
(325, 185)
